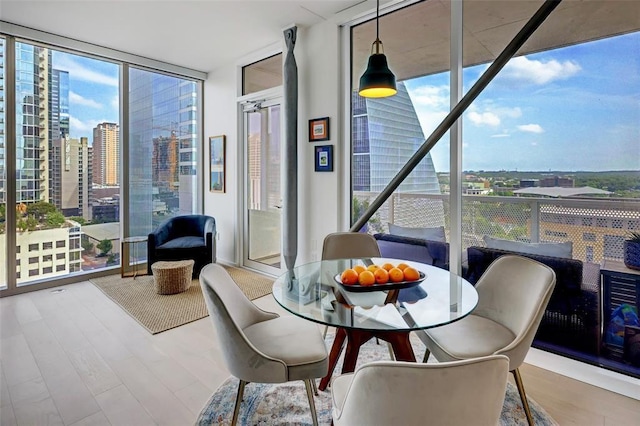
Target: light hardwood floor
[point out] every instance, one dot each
(75, 358)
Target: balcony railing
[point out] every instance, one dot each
(596, 227)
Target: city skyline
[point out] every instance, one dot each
(536, 114)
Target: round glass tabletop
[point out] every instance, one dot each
(312, 291)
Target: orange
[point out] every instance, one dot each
(359, 269)
(381, 275)
(387, 266)
(411, 274)
(349, 276)
(396, 275)
(366, 278)
(402, 266)
(372, 268)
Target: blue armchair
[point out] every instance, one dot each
(181, 238)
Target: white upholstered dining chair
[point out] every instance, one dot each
(260, 346)
(347, 245)
(468, 392)
(513, 294)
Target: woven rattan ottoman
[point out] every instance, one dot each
(172, 277)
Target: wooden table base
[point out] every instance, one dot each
(399, 341)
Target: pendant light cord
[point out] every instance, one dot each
(377, 19)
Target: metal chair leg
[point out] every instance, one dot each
(427, 352)
(392, 356)
(315, 388)
(324, 333)
(523, 396)
(314, 415)
(236, 409)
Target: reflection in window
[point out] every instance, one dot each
(164, 148)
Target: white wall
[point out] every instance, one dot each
(221, 114)
(319, 207)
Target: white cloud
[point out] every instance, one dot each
(80, 72)
(509, 112)
(74, 98)
(481, 118)
(539, 72)
(534, 143)
(431, 96)
(501, 135)
(115, 102)
(84, 128)
(531, 128)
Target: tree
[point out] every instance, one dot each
(40, 209)
(87, 245)
(54, 219)
(3, 212)
(27, 224)
(358, 208)
(81, 220)
(105, 246)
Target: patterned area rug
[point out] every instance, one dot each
(287, 404)
(158, 313)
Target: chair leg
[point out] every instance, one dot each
(236, 409)
(324, 333)
(314, 416)
(392, 356)
(315, 388)
(523, 396)
(427, 352)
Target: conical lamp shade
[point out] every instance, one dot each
(377, 81)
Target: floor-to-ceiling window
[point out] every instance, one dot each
(3, 175)
(550, 150)
(61, 99)
(68, 145)
(163, 148)
(386, 132)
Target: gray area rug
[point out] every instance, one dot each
(158, 313)
(287, 404)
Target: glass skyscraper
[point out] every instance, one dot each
(386, 133)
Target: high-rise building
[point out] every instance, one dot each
(32, 132)
(58, 120)
(71, 176)
(58, 104)
(386, 133)
(106, 154)
(165, 157)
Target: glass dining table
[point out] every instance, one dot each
(389, 312)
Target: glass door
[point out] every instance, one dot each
(263, 193)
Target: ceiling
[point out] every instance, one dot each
(416, 39)
(202, 35)
(207, 34)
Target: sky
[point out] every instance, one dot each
(570, 109)
(93, 92)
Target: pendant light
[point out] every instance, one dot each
(377, 81)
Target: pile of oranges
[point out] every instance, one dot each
(379, 274)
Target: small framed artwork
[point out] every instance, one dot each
(324, 158)
(319, 129)
(217, 162)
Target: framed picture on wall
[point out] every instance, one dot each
(319, 129)
(216, 163)
(323, 158)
